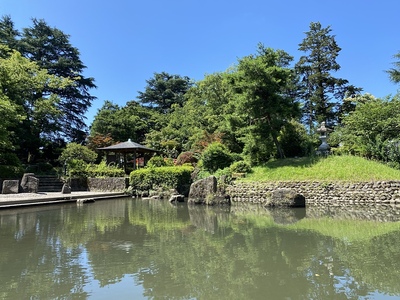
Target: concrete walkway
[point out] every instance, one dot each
(27, 199)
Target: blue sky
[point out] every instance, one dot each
(124, 42)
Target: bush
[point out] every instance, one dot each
(103, 170)
(162, 177)
(78, 169)
(10, 166)
(294, 140)
(240, 167)
(77, 152)
(9, 172)
(157, 161)
(216, 156)
(186, 158)
(224, 176)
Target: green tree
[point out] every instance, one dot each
(9, 89)
(21, 80)
(263, 101)
(394, 73)
(210, 103)
(164, 90)
(216, 156)
(132, 121)
(52, 50)
(371, 130)
(322, 93)
(78, 151)
(8, 33)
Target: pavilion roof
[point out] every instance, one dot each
(127, 146)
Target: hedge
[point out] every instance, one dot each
(176, 177)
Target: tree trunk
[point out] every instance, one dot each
(275, 138)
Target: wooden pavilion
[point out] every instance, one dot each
(124, 149)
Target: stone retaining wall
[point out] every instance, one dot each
(109, 184)
(320, 193)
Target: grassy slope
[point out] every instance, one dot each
(332, 168)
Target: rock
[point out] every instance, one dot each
(205, 191)
(10, 187)
(201, 189)
(176, 198)
(66, 189)
(29, 183)
(286, 198)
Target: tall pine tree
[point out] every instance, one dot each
(322, 93)
(50, 48)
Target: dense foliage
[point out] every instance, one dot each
(164, 178)
(265, 106)
(43, 94)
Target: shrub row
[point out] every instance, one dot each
(176, 177)
(81, 169)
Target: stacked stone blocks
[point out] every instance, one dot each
(332, 193)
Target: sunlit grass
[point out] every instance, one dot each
(332, 168)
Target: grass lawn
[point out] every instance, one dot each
(331, 168)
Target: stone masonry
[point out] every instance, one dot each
(320, 193)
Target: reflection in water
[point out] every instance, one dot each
(148, 249)
(286, 216)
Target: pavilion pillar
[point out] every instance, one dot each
(134, 159)
(125, 162)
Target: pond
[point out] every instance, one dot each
(149, 249)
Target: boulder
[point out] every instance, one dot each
(286, 198)
(201, 189)
(205, 191)
(29, 183)
(10, 187)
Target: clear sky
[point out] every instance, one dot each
(124, 42)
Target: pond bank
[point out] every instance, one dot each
(29, 199)
(320, 193)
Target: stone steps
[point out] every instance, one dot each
(49, 183)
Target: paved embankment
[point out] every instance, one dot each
(28, 199)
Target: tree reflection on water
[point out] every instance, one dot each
(197, 252)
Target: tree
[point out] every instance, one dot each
(164, 90)
(263, 101)
(371, 130)
(79, 152)
(132, 121)
(50, 48)
(209, 104)
(216, 156)
(20, 81)
(8, 34)
(321, 92)
(394, 73)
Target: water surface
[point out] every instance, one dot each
(150, 249)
